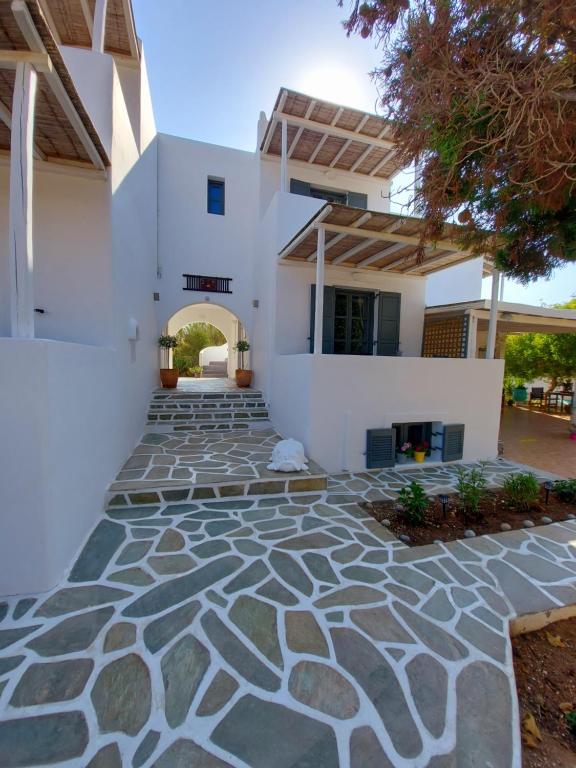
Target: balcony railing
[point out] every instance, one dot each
(207, 284)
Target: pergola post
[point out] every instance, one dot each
(99, 26)
(471, 343)
(284, 158)
(493, 321)
(319, 307)
(20, 209)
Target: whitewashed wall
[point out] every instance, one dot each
(460, 283)
(221, 318)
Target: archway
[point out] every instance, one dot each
(221, 318)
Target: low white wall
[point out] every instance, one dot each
(349, 395)
(63, 444)
(213, 354)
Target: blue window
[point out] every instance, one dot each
(216, 196)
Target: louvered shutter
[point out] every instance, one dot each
(388, 339)
(328, 324)
(380, 448)
(453, 448)
(358, 199)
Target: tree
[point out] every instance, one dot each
(482, 99)
(191, 340)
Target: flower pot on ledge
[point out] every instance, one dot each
(169, 378)
(243, 377)
(419, 456)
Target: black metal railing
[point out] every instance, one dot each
(207, 284)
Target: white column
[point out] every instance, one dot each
(99, 26)
(319, 308)
(20, 215)
(472, 334)
(284, 158)
(493, 322)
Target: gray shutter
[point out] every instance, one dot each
(380, 448)
(388, 339)
(358, 199)
(453, 447)
(299, 187)
(328, 325)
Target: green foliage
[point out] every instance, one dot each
(571, 720)
(471, 488)
(565, 490)
(191, 340)
(168, 342)
(521, 491)
(242, 346)
(414, 503)
(541, 355)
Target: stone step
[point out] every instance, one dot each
(163, 395)
(244, 415)
(214, 374)
(217, 406)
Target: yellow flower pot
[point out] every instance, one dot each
(419, 456)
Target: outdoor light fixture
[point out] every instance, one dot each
(443, 499)
(548, 485)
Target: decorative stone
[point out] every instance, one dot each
(10, 636)
(522, 593)
(100, 548)
(253, 574)
(538, 568)
(405, 538)
(145, 748)
(381, 624)
(527, 524)
(303, 634)
(185, 754)
(409, 577)
(73, 634)
(356, 595)
(283, 738)
(122, 695)
(376, 676)
(133, 552)
(323, 688)
(347, 554)
(320, 568)
(169, 564)
(316, 540)
(386, 523)
(429, 685)
(432, 636)
(505, 527)
(570, 516)
(183, 668)
(366, 751)
(211, 548)
(546, 520)
(257, 620)
(171, 541)
(237, 655)
(469, 533)
(219, 693)
(363, 573)
(159, 632)
(47, 683)
(478, 635)
(134, 576)
(250, 548)
(43, 740)
(439, 607)
(119, 636)
(290, 572)
(183, 587)
(493, 709)
(276, 592)
(107, 757)
(72, 599)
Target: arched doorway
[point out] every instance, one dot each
(215, 315)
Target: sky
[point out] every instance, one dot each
(214, 66)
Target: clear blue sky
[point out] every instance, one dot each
(213, 66)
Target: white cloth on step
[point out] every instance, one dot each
(288, 456)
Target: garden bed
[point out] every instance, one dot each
(493, 511)
(545, 670)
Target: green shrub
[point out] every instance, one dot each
(565, 490)
(571, 720)
(471, 488)
(521, 491)
(414, 503)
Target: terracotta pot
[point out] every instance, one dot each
(243, 378)
(169, 377)
(419, 456)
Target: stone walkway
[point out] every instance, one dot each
(275, 632)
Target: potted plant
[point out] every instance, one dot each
(243, 376)
(520, 394)
(168, 376)
(421, 450)
(405, 452)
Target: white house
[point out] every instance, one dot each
(113, 233)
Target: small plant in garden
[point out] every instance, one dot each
(565, 490)
(471, 488)
(571, 720)
(521, 491)
(414, 503)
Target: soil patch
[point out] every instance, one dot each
(494, 510)
(545, 670)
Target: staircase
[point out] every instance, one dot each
(216, 369)
(208, 410)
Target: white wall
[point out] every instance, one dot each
(221, 318)
(349, 395)
(213, 355)
(460, 283)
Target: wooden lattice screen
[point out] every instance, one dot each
(445, 337)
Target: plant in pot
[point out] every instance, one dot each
(405, 452)
(421, 450)
(243, 376)
(520, 394)
(168, 376)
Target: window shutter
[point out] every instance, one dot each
(380, 448)
(299, 187)
(358, 199)
(328, 326)
(453, 448)
(388, 339)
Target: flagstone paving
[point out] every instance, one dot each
(276, 631)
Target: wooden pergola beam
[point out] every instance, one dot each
(40, 61)
(352, 252)
(394, 237)
(6, 118)
(381, 255)
(332, 130)
(358, 223)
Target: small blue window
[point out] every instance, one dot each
(216, 196)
